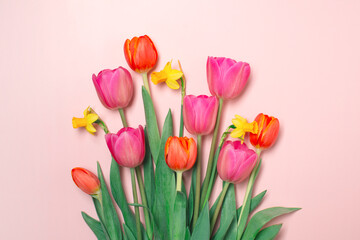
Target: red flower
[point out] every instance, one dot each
(140, 53)
(180, 153)
(268, 131)
(86, 180)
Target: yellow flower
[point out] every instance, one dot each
(168, 75)
(87, 121)
(242, 127)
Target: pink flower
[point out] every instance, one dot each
(127, 146)
(226, 77)
(235, 162)
(200, 114)
(114, 87)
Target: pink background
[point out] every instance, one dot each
(305, 70)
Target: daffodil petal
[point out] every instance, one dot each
(173, 84)
(92, 117)
(167, 68)
(174, 75)
(90, 128)
(158, 77)
(78, 122)
(236, 133)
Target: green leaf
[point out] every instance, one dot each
(165, 187)
(190, 205)
(151, 124)
(261, 218)
(202, 226)
(179, 230)
(268, 233)
(187, 234)
(128, 233)
(231, 232)
(255, 201)
(120, 197)
(111, 220)
(149, 175)
(228, 212)
(95, 226)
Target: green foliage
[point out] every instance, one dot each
(268, 233)
(95, 226)
(202, 226)
(179, 230)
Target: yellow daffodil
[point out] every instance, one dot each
(87, 121)
(168, 75)
(242, 127)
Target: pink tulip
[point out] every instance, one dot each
(127, 146)
(114, 87)
(235, 162)
(226, 77)
(200, 114)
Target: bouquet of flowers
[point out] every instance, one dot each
(156, 161)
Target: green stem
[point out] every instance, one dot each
(211, 154)
(246, 203)
(198, 182)
(102, 125)
(149, 230)
(123, 119)
(137, 213)
(181, 130)
(178, 180)
(218, 206)
(146, 82)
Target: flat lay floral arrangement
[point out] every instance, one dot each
(156, 161)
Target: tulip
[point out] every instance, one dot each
(86, 180)
(127, 146)
(235, 162)
(114, 87)
(140, 53)
(226, 77)
(200, 114)
(268, 131)
(180, 153)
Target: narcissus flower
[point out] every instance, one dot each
(114, 87)
(87, 121)
(168, 75)
(86, 180)
(140, 53)
(235, 162)
(180, 153)
(242, 127)
(226, 77)
(200, 113)
(127, 146)
(268, 131)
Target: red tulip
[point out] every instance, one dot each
(180, 153)
(268, 131)
(140, 53)
(86, 180)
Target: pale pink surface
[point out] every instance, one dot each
(200, 113)
(235, 162)
(304, 57)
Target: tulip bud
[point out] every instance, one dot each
(140, 53)
(114, 87)
(200, 114)
(235, 162)
(180, 153)
(226, 77)
(86, 180)
(127, 146)
(268, 131)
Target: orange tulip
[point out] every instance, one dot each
(180, 153)
(140, 53)
(86, 180)
(268, 131)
